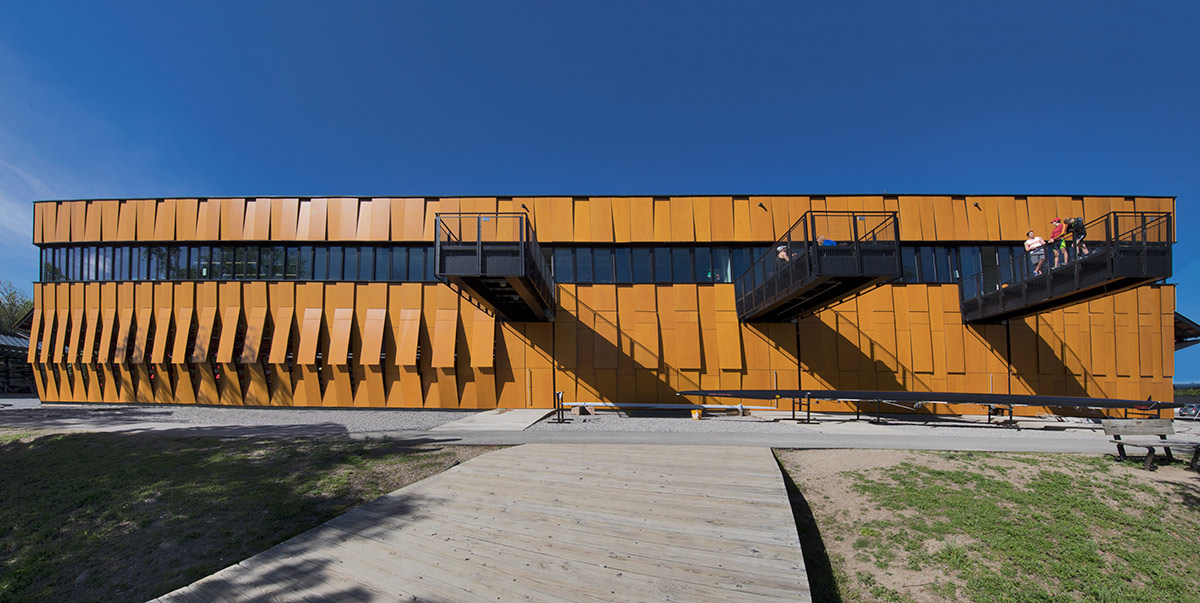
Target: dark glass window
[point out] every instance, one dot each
(321, 264)
(662, 264)
(908, 264)
(941, 260)
(430, 269)
(928, 273)
(564, 265)
(583, 264)
(720, 265)
(741, 261)
(681, 265)
(351, 261)
(399, 271)
(602, 258)
(643, 265)
(381, 263)
(623, 270)
(704, 267)
(335, 264)
(305, 264)
(366, 264)
(416, 264)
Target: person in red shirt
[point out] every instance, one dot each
(1058, 242)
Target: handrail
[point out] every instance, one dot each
(1106, 236)
(799, 254)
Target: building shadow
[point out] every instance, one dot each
(822, 582)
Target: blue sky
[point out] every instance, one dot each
(129, 99)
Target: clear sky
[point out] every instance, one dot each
(132, 99)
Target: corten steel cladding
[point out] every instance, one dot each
(243, 326)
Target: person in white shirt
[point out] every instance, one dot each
(1035, 247)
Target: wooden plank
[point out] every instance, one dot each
(657, 523)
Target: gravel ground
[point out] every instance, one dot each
(354, 421)
(710, 424)
(1066, 428)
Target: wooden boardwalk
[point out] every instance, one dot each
(546, 522)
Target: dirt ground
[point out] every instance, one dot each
(826, 478)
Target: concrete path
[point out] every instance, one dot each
(502, 419)
(549, 523)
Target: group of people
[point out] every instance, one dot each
(1035, 246)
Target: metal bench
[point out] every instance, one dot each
(1148, 427)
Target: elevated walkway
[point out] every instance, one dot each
(1125, 250)
(495, 258)
(826, 257)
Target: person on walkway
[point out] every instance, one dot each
(1078, 234)
(1035, 246)
(1058, 242)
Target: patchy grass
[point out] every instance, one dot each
(1007, 527)
(90, 516)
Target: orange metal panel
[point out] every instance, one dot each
(602, 219)
(583, 220)
(138, 353)
(366, 218)
(432, 207)
(126, 223)
(721, 219)
(258, 220)
(942, 217)
(372, 337)
(407, 323)
(50, 221)
(63, 230)
(208, 222)
(444, 331)
(256, 318)
(74, 332)
(285, 214)
(318, 220)
(164, 221)
(233, 217)
(310, 332)
(414, 220)
(483, 343)
(230, 318)
(339, 336)
(343, 219)
(91, 231)
(109, 211)
(781, 218)
(39, 236)
(683, 225)
(641, 211)
(186, 212)
(281, 318)
(701, 214)
(622, 225)
(910, 218)
(741, 220)
(662, 219)
(687, 333)
(381, 218)
(761, 224)
(162, 326)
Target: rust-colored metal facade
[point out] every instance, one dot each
(421, 344)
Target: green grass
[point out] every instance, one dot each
(1009, 527)
(90, 517)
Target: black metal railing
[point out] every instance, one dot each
(486, 245)
(1119, 246)
(821, 244)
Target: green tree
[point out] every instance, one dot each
(14, 304)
